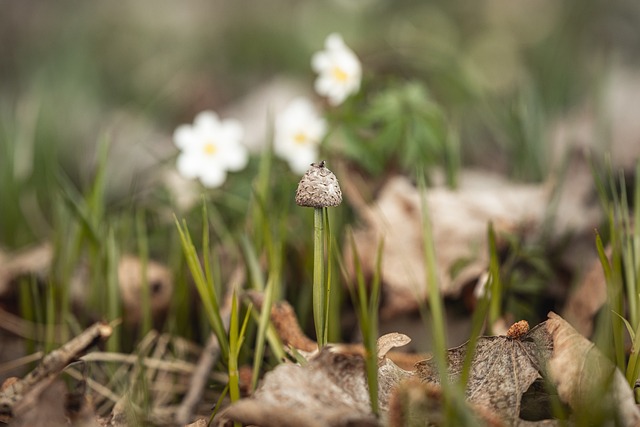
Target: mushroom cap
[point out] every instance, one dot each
(318, 188)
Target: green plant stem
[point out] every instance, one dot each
(327, 290)
(319, 292)
(433, 289)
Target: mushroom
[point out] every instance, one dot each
(319, 189)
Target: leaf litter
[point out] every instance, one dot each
(459, 221)
(539, 377)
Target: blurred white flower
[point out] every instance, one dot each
(339, 70)
(209, 148)
(297, 134)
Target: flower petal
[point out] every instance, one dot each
(301, 161)
(320, 61)
(231, 129)
(213, 177)
(236, 158)
(334, 41)
(183, 136)
(206, 123)
(187, 165)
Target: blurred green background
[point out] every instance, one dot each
(515, 82)
(72, 72)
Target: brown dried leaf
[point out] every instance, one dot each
(502, 370)
(390, 341)
(586, 379)
(158, 278)
(37, 261)
(286, 323)
(459, 220)
(34, 260)
(587, 298)
(331, 390)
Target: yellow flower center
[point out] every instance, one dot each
(339, 74)
(210, 149)
(300, 138)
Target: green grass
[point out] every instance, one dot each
(366, 300)
(621, 266)
(204, 280)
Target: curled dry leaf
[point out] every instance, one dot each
(587, 380)
(330, 390)
(515, 378)
(286, 323)
(389, 341)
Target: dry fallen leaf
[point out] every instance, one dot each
(587, 298)
(330, 390)
(502, 370)
(587, 380)
(36, 261)
(159, 280)
(459, 222)
(286, 324)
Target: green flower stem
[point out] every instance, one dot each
(319, 291)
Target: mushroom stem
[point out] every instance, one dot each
(320, 298)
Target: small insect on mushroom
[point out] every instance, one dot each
(318, 188)
(518, 330)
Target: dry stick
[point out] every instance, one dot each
(178, 366)
(51, 365)
(208, 357)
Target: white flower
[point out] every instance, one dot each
(339, 70)
(210, 148)
(297, 134)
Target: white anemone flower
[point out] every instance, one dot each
(209, 148)
(297, 134)
(339, 70)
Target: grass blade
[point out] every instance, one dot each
(207, 295)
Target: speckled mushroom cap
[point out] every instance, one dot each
(318, 188)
